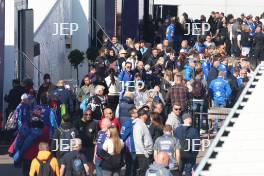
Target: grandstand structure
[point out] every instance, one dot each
(237, 149)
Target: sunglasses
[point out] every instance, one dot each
(87, 114)
(176, 109)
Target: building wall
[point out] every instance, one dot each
(53, 57)
(196, 8)
(55, 62)
(2, 42)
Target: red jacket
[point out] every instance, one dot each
(114, 122)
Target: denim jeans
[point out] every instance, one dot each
(131, 161)
(216, 117)
(98, 167)
(188, 166)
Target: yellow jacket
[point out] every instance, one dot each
(43, 156)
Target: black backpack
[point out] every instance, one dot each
(198, 90)
(67, 134)
(77, 166)
(186, 147)
(45, 168)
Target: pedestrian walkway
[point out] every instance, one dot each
(6, 164)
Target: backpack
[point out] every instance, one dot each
(11, 123)
(45, 168)
(186, 147)
(67, 134)
(154, 172)
(77, 166)
(198, 90)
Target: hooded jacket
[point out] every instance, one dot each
(142, 138)
(44, 156)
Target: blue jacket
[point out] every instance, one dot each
(49, 119)
(188, 72)
(206, 67)
(124, 105)
(126, 134)
(23, 115)
(220, 91)
(199, 47)
(239, 81)
(125, 76)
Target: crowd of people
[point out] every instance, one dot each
(136, 109)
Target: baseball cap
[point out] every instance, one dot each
(24, 96)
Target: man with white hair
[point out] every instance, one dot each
(74, 162)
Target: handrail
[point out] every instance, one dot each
(97, 23)
(107, 36)
(202, 164)
(25, 55)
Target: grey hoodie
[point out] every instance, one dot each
(142, 138)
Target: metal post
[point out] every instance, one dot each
(161, 9)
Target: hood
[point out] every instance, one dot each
(43, 155)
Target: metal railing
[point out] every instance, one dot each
(24, 55)
(210, 151)
(104, 32)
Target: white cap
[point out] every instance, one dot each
(67, 86)
(24, 96)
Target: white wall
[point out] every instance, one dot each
(52, 47)
(54, 55)
(81, 38)
(196, 8)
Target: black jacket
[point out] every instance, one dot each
(87, 132)
(14, 97)
(155, 131)
(213, 74)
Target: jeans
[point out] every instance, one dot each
(131, 161)
(26, 167)
(197, 106)
(143, 164)
(98, 168)
(188, 166)
(216, 117)
(110, 173)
